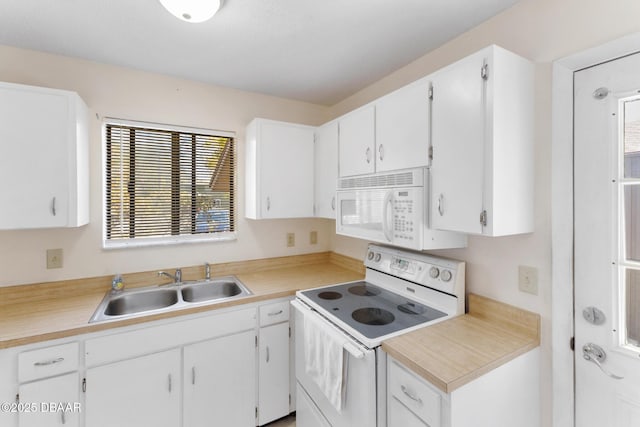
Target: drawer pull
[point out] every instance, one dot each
(409, 395)
(275, 313)
(49, 362)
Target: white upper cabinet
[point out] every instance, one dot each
(44, 158)
(326, 170)
(357, 142)
(279, 170)
(482, 139)
(389, 134)
(402, 128)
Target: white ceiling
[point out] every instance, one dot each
(319, 51)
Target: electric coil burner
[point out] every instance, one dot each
(402, 290)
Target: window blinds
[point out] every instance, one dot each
(161, 182)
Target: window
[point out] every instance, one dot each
(167, 184)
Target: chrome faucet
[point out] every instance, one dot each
(207, 271)
(176, 279)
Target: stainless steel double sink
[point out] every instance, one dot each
(163, 298)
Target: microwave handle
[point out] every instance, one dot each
(385, 210)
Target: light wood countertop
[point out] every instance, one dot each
(46, 311)
(454, 352)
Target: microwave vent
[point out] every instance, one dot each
(401, 179)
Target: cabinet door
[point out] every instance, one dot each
(273, 368)
(458, 137)
(144, 391)
(326, 170)
(220, 377)
(399, 415)
(402, 128)
(286, 170)
(33, 158)
(56, 400)
(357, 142)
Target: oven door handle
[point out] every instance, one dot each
(386, 224)
(350, 347)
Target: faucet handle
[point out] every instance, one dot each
(178, 275)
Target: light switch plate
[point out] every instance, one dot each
(528, 279)
(313, 237)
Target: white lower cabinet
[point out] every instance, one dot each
(51, 402)
(274, 393)
(273, 389)
(219, 382)
(144, 391)
(504, 397)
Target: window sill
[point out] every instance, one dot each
(169, 241)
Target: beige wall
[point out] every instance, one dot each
(111, 91)
(543, 31)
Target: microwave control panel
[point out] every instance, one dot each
(405, 221)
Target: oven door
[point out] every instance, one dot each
(391, 215)
(360, 407)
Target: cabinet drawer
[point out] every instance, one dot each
(415, 394)
(274, 313)
(46, 362)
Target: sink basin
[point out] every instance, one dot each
(211, 290)
(136, 302)
(162, 298)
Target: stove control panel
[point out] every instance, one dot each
(438, 273)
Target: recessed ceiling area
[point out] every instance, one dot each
(318, 51)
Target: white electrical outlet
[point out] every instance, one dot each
(528, 279)
(291, 240)
(54, 258)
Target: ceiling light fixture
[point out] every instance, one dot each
(193, 11)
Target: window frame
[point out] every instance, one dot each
(222, 236)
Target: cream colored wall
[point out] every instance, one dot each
(111, 91)
(543, 31)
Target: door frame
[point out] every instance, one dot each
(562, 236)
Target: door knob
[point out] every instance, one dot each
(596, 354)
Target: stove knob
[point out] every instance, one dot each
(378, 258)
(446, 275)
(370, 255)
(434, 272)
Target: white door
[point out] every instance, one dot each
(144, 391)
(356, 144)
(273, 368)
(458, 141)
(219, 382)
(326, 170)
(51, 402)
(607, 244)
(402, 128)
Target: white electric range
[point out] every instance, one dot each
(402, 291)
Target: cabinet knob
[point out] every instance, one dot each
(381, 152)
(53, 206)
(368, 154)
(268, 203)
(333, 203)
(441, 204)
(267, 354)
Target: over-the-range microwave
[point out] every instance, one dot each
(391, 208)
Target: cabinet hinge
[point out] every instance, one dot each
(84, 385)
(256, 341)
(18, 398)
(256, 412)
(572, 343)
(483, 218)
(431, 153)
(289, 398)
(430, 93)
(289, 331)
(484, 71)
